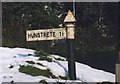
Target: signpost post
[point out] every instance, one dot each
(59, 33)
(70, 27)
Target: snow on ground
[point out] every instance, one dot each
(18, 56)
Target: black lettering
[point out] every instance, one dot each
(62, 33)
(44, 34)
(38, 34)
(29, 35)
(35, 35)
(47, 34)
(53, 34)
(41, 34)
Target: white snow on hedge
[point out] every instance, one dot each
(17, 56)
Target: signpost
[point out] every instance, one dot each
(69, 21)
(59, 33)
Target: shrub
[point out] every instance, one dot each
(33, 71)
(40, 53)
(64, 77)
(45, 58)
(59, 59)
(40, 64)
(43, 82)
(30, 62)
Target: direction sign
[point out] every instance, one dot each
(46, 34)
(56, 34)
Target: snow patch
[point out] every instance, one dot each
(11, 57)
